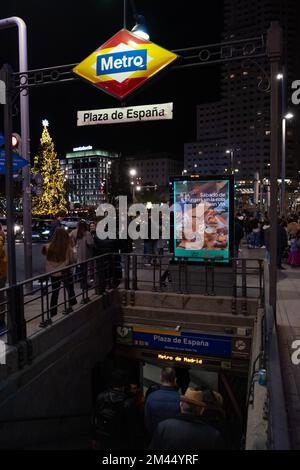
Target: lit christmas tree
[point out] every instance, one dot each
(53, 198)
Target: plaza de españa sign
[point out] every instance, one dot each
(123, 63)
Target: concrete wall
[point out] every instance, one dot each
(58, 381)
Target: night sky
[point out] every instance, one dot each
(66, 32)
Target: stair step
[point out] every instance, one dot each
(188, 316)
(192, 302)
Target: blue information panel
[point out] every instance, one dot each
(18, 162)
(209, 345)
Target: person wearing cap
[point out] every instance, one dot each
(187, 431)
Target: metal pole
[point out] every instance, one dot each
(125, 14)
(283, 147)
(283, 158)
(24, 105)
(6, 73)
(231, 162)
(274, 52)
(12, 337)
(256, 187)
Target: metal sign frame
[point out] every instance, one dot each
(19, 83)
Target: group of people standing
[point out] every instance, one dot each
(66, 249)
(257, 229)
(164, 419)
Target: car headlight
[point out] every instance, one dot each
(46, 232)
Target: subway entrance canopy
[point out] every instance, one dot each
(123, 63)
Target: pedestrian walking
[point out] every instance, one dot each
(115, 415)
(164, 402)
(187, 431)
(294, 253)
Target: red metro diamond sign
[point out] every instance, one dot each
(123, 63)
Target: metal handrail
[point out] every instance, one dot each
(103, 271)
(278, 437)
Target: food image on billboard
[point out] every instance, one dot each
(202, 219)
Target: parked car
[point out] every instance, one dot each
(18, 228)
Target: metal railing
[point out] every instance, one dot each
(57, 292)
(242, 278)
(278, 433)
(54, 293)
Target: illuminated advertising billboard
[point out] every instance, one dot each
(202, 228)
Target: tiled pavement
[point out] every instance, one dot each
(288, 321)
(288, 328)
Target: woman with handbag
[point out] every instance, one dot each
(59, 254)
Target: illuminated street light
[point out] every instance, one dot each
(138, 188)
(230, 151)
(286, 117)
(289, 116)
(140, 29)
(279, 76)
(132, 172)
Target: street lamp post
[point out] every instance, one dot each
(15, 21)
(281, 77)
(230, 151)
(274, 52)
(132, 173)
(286, 117)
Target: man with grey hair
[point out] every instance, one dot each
(187, 431)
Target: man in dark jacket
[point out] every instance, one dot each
(238, 235)
(188, 431)
(282, 243)
(164, 402)
(114, 418)
(57, 223)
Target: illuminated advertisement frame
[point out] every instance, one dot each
(214, 196)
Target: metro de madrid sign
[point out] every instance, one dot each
(123, 63)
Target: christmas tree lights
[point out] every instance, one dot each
(46, 163)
